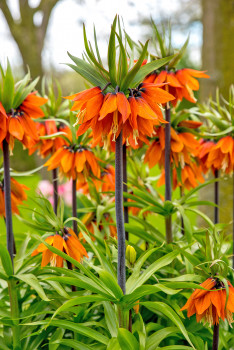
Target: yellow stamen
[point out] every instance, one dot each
(181, 160)
(80, 117)
(115, 122)
(53, 260)
(190, 91)
(135, 136)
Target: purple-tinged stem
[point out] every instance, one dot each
(125, 187)
(216, 198)
(182, 220)
(215, 337)
(119, 211)
(7, 195)
(233, 219)
(168, 223)
(74, 206)
(55, 189)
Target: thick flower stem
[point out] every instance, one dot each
(7, 194)
(12, 288)
(216, 337)
(74, 214)
(168, 170)
(233, 219)
(55, 189)
(125, 188)
(216, 198)
(182, 220)
(119, 212)
(74, 206)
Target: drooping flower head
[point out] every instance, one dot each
(68, 243)
(110, 113)
(221, 155)
(49, 146)
(211, 304)
(118, 102)
(180, 83)
(74, 161)
(18, 195)
(18, 106)
(186, 170)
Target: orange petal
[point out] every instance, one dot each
(80, 160)
(58, 244)
(123, 106)
(67, 161)
(109, 106)
(15, 128)
(46, 257)
(203, 303)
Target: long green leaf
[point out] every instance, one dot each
(111, 319)
(126, 340)
(155, 339)
(74, 327)
(112, 55)
(74, 344)
(32, 281)
(78, 301)
(170, 313)
(147, 69)
(8, 89)
(134, 282)
(6, 260)
(128, 80)
(147, 290)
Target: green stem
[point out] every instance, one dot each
(14, 314)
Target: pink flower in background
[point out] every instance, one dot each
(64, 190)
(45, 187)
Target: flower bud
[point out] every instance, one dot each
(131, 254)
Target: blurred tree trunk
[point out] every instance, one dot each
(218, 49)
(218, 60)
(28, 36)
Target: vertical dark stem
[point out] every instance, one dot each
(130, 321)
(182, 220)
(74, 206)
(119, 211)
(55, 189)
(216, 220)
(125, 188)
(7, 194)
(216, 197)
(233, 219)
(168, 170)
(216, 337)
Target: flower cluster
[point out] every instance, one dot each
(112, 112)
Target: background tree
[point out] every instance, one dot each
(218, 49)
(28, 35)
